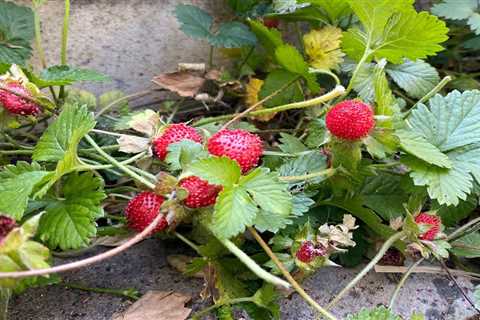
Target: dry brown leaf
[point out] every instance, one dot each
(146, 122)
(179, 262)
(133, 144)
(158, 305)
(184, 83)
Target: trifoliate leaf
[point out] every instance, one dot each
(66, 75)
(234, 211)
(216, 170)
(417, 78)
(379, 313)
(16, 184)
(270, 39)
(289, 58)
(181, 154)
(467, 246)
(194, 21)
(414, 143)
(322, 46)
(233, 35)
(276, 80)
(17, 31)
(69, 222)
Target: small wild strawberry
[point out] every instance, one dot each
(200, 192)
(174, 133)
(309, 251)
(432, 221)
(7, 224)
(393, 257)
(350, 120)
(16, 104)
(271, 23)
(143, 209)
(242, 146)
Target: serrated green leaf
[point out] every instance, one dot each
(334, 9)
(414, 143)
(291, 144)
(301, 204)
(233, 35)
(269, 38)
(234, 211)
(194, 21)
(267, 297)
(216, 170)
(467, 246)
(66, 75)
(317, 133)
(451, 215)
(379, 313)
(181, 154)
(305, 164)
(16, 184)
(69, 223)
(277, 80)
(455, 9)
(17, 31)
(290, 59)
(417, 78)
(269, 221)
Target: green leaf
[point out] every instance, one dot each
(290, 59)
(181, 154)
(17, 31)
(267, 297)
(305, 164)
(467, 246)
(234, 211)
(415, 144)
(317, 134)
(276, 80)
(301, 204)
(455, 9)
(269, 38)
(379, 313)
(334, 9)
(81, 97)
(69, 222)
(417, 78)
(16, 184)
(384, 99)
(66, 75)
(233, 35)
(194, 21)
(451, 215)
(269, 221)
(291, 144)
(216, 170)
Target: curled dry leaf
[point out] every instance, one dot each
(179, 262)
(133, 144)
(158, 305)
(145, 122)
(185, 83)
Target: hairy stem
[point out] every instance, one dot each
(368, 267)
(253, 266)
(289, 277)
(402, 282)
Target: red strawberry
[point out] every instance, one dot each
(242, 146)
(143, 209)
(174, 133)
(308, 251)
(350, 120)
(200, 192)
(271, 23)
(15, 104)
(434, 223)
(7, 224)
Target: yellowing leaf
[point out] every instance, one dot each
(323, 47)
(251, 98)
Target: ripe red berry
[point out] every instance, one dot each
(174, 133)
(433, 222)
(308, 251)
(350, 120)
(271, 22)
(200, 192)
(242, 146)
(7, 224)
(143, 209)
(16, 104)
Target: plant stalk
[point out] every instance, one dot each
(328, 172)
(402, 282)
(63, 53)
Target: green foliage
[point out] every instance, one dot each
(216, 170)
(69, 222)
(197, 23)
(270, 39)
(460, 10)
(181, 154)
(66, 75)
(279, 80)
(379, 313)
(467, 246)
(451, 215)
(17, 31)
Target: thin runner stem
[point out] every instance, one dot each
(402, 282)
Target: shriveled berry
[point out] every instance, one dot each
(16, 104)
(433, 222)
(271, 23)
(200, 192)
(309, 251)
(7, 224)
(174, 133)
(350, 120)
(242, 146)
(393, 257)
(143, 209)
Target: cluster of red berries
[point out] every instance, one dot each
(7, 224)
(239, 145)
(16, 104)
(308, 251)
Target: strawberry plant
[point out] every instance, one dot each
(304, 153)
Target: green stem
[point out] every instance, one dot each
(328, 172)
(5, 295)
(188, 242)
(364, 58)
(210, 58)
(253, 266)
(16, 152)
(369, 266)
(126, 293)
(108, 166)
(122, 99)
(217, 305)
(119, 165)
(338, 91)
(63, 53)
(402, 282)
(461, 230)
